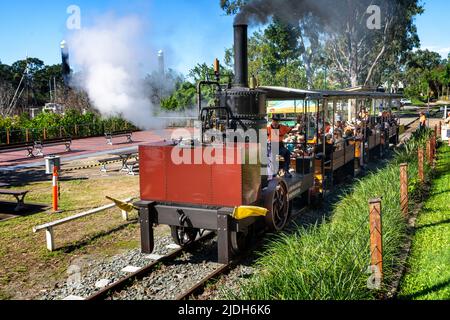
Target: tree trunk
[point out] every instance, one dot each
(308, 72)
(353, 60)
(285, 73)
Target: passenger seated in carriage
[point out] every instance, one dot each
(338, 140)
(340, 125)
(276, 133)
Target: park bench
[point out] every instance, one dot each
(48, 227)
(19, 195)
(28, 146)
(41, 144)
(117, 134)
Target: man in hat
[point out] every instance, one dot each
(276, 133)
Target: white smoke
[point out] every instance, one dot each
(109, 54)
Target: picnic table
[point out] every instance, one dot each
(124, 157)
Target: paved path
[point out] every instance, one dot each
(414, 125)
(81, 148)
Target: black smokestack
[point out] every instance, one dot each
(65, 63)
(241, 55)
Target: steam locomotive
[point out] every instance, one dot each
(190, 196)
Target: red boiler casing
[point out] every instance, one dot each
(196, 181)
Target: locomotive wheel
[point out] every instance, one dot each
(277, 203)
(239, 241)
(183, 236)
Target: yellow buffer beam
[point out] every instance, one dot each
(243, 212)
(123, 205)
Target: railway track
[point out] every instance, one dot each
(200, 286)
(123, 283)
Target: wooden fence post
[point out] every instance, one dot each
(7, 136)
(420, 157)
(429, 157)
(45, 133)
(376, 239)
(404, 202)
(27, 135)
(434, 146)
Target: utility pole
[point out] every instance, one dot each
(54, 88)
(50, 87)
(428, 105)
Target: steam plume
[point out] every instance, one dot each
(109, 54)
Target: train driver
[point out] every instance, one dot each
(276, 133)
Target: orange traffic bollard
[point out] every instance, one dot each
(55, 189)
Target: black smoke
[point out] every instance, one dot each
(257, 12)
(331, 13)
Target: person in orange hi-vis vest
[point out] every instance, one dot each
(423, 120)
(276, 133)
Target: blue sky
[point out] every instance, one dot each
(190, 31)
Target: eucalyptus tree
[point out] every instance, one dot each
(361, 37)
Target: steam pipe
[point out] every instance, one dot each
(199, 92)
(241, 55)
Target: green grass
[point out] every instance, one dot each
(330, 260)
(26, 266)
(429, 265)
(418, 103)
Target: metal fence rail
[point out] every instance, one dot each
(21, 135)
(48, 227)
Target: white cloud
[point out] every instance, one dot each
(443, 51)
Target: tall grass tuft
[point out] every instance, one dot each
(330, 260)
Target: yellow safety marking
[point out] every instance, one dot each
(244, 212)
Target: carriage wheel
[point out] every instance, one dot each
(183, 236)
(277, 203)
(239, 242)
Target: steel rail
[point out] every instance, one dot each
(199, 287)
(143, 272)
